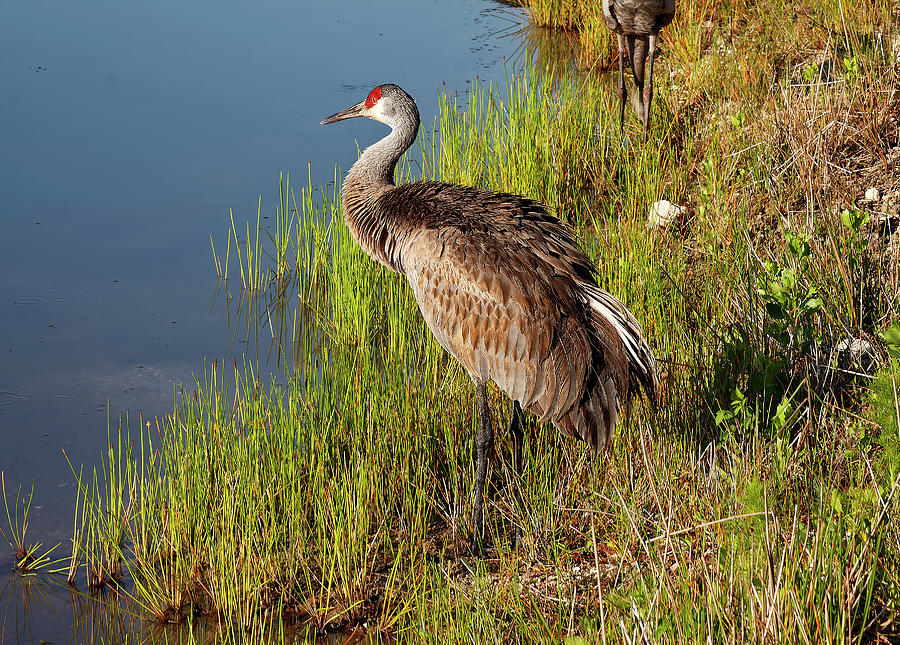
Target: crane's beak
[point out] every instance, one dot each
(349, 113)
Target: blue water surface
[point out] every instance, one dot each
(128, 130)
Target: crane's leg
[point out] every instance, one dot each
(484, 443)
(637, 53)
(518, 437)
(648, 90)
(621, 40)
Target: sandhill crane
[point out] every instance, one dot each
(503, 287)
(638, 22)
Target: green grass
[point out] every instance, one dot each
(756, 503)
(30, 557)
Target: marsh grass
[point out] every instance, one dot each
(755, 502)
(30, 557)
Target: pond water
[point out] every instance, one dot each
(127, 132)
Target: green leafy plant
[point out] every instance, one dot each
(811, 73)
(851, 69)
(891, 338)
(790, 301)
(769, 345)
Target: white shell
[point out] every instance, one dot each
(663, 213)
(873, 194)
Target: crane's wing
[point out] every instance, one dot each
(496, 315)
(505, 289)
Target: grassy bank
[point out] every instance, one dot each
(757, 503)
(782, 31)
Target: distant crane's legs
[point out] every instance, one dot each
(637, 52)
(484, 444)
(621, 40)
(639, 22)
(518, 438)
(648, 90)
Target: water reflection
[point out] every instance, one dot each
(551, 49)
(35, 608)
(270, 281)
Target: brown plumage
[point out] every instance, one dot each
(504, 288)
(637, 23)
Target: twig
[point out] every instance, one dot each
(599, 590)
(705, 524)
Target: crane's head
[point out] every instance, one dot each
(386, 103)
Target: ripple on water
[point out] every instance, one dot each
(28, 300)
(47, 297)
(11, 400)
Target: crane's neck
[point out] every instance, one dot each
(374, 227)
(375, 166)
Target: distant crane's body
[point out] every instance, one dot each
(637, 23)
(503, 287)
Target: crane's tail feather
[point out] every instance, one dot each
(642, 368)
(593, 419)
(621, 366)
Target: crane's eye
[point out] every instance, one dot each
(373, 97)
